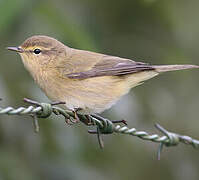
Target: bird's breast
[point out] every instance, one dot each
(91, 95)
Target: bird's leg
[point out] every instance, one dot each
(71, 120)
(76, 119)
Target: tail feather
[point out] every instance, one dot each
(165, 68)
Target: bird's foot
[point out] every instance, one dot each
(113, 121)
(89, 120)
(75, 120)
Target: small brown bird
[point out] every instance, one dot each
(87, 82)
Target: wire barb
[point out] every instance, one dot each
(35, 123)
(103, 125)
(173, 139)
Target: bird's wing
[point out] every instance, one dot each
(95, 65)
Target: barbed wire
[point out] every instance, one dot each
(103, 125)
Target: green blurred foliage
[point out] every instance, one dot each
(154, 31)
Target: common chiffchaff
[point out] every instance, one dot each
(88, 82)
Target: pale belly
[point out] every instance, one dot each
(93, 95)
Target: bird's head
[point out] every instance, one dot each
(39, 51)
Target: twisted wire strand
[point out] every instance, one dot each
(104, 126)
(20, 110)
(141, 134)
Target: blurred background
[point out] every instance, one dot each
(154, 31)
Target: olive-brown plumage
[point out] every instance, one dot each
(88, 81)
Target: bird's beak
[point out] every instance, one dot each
(16, 49)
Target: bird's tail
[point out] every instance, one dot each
(150, 71)
(165, 68)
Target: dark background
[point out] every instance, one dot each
(154, 31)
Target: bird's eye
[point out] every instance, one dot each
(37, 51)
